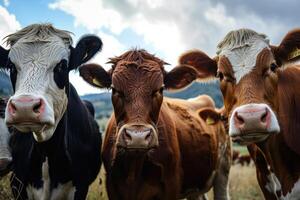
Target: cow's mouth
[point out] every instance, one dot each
(249, 138)
(121, 150)
(31, 126)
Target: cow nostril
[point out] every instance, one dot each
(148, 135)
(239, 118)
(37, 106)
(13, 107)
(127, 136)
(264, 116)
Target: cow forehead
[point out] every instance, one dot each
(142, 76)
(44, 53)
(243, 58)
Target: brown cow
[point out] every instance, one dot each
(235, 156)
(260, 88)
(244, 160)
(157, 147)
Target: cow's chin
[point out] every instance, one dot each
(250, 138)
(135, 152)
(41, 132)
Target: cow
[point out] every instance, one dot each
(259, 86)
(56, 142)
(157, 147)
(5, 154)
(235, 156)
(244, 160)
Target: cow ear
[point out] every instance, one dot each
(289, 48)
(3, 57)
(180, 77)
(95, 75)
(206, 67)
(85, 49)
(209, 115)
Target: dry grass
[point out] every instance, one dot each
(5, 193)
(243, 186)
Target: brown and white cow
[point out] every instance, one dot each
(157, 147)
(260, 83)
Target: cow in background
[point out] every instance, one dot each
(244, 160)
(5, 154)
(235, 156)
(259, 83)
(56, 142)
(157, 147)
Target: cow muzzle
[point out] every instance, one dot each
(29, 113)
(252, 123)
(139, 137)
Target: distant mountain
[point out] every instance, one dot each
(103, 106)
(195, 89)
(5, 85)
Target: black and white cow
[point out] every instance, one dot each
(56, 144)
(5, 155)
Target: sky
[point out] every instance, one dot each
(165, 28)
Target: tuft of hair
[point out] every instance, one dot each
(137, 56)
(39, 32)
(240, 38)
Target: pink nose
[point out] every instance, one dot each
(252, 118)
(25, 108)
(138, 137)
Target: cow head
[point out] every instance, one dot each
(137, 80)
(39, 60)
(247, 67)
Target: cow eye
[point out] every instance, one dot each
(116, 92)
(273, 67)
(158, 92)
(61, 73)
(11, 66)
(62, 66)
(13, 72)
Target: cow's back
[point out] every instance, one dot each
(200, 144)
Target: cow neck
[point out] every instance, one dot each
(281, 161)
(133, 169)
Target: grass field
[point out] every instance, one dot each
(243, 186)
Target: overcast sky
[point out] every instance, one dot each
(163, 27)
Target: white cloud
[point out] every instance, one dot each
(6, 2)
(91, 14)
(155, 33)
(169, 27)
(8, 23)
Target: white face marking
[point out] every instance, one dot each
(35, 62)
(63, 191)
(4, 137)
(243, 58)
